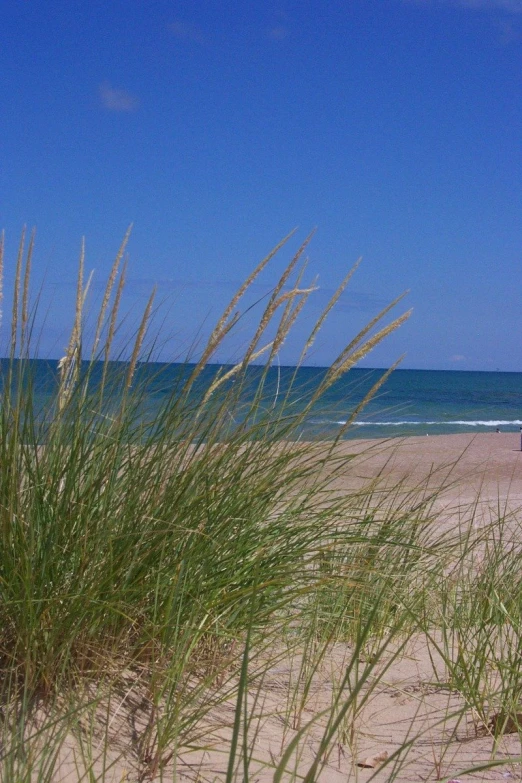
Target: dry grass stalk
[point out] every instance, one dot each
(303, 294)
(108, 290)
(75, 334)
(246, 285)
(25, 295)
(139, 339)
(285, 325)
(362, 334)
(220, 380)
(65, 362)
(291, 266)
(290, 316)
(224, 324)
(112, 322)
(345, 362)
(274, 302)
(369, 345)
(69, 365)
(16, 293)
(331, 304)
(291, 295)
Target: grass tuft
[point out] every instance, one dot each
(178, 573)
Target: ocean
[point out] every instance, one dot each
(434, 402)
(411, 402)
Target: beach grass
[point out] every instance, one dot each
(186, 592)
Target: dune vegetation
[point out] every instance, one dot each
(192, 592)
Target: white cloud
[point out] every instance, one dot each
(457, 357)
(117, 100)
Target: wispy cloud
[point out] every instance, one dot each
(185, 31)
(509, 6)
(114, 99)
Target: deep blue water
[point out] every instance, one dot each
(411, 402)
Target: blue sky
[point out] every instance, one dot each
(392, 126)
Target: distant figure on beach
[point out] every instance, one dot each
(498, 430)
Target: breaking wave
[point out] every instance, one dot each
(456, 423)
(442, 423)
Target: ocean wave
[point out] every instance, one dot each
(458, 422)
(407, 423)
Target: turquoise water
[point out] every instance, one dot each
(437, 402)
(411, 402)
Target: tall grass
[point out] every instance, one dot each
(158, 566)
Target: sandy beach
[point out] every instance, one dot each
(489, 461)
(411, 707)
(482, 472)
